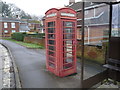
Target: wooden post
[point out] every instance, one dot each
(82, 57)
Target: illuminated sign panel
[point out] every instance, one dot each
(51, 15)
(68, 14)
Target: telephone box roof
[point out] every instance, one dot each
(59, 9)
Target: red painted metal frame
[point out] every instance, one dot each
(59, 41)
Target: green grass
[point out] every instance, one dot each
(28, 45)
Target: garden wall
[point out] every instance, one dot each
(39, 41)
(92, 53)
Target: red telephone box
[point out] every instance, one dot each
(60, 29)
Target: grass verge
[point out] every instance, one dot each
(28, 45)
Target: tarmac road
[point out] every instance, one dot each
(33, 73)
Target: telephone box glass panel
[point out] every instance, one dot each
(68, 30)
(51, 24)
(68, 36)
(68, 24)
(51, 30)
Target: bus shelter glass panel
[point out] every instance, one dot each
(95, 40)
(114, 45)
(116, 21)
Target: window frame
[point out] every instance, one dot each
(5, 25)
(5, 30)
(13, 25)
(14, 31)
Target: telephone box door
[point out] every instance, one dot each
(69, 45)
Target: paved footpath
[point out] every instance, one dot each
(1, 64)
(32, 70)
(6, 69)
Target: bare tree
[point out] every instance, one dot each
(5, 10)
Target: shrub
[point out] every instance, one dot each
(38, 35)
(18, 36)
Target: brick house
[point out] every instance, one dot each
(8, 26)
(43, 23)
(11, 25)
(23, 27)
(36, 27)
(96, 21)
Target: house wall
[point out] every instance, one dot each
(89, 13)
(34, 27)
(96, 34)
(9, 28)
(79, 15)
(0, 29)
(93, 33)
(78, 33)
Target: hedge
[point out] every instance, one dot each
(38, 35)
(18, 36)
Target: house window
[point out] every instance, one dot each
(29, 24)
(12, 25)
(115, 33)
(86, 12)
(5, 25)
(13, 31)
(94, 12)
(91, 3)
(22, 31)
(5, 31)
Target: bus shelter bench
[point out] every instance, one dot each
(113, 64)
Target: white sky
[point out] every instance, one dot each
(38, 7)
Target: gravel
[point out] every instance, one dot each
(6, 69)
(110, 84)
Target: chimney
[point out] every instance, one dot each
(17, 17)
(71, 1)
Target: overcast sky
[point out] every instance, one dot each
(38, 7)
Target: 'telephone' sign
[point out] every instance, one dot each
(68, 14)
(51, 15)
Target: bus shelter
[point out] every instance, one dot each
(112, 60)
